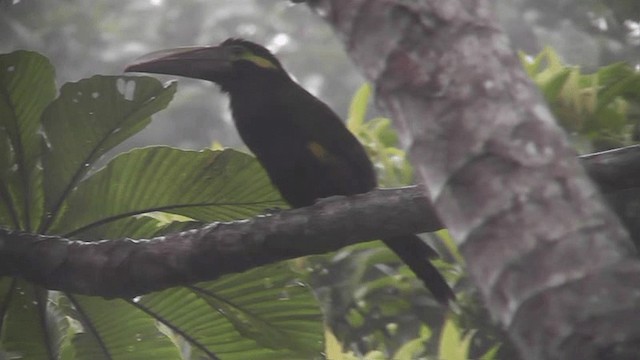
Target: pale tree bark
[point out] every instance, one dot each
(553, 264)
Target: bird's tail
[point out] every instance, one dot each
(416, 254)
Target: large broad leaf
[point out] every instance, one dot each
(267, 313)
(115, 330)
(260, 314)
(8, 214)
(89, 118)
(203, 185)
(31, 328)
(26, 87)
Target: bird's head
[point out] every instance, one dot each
(232, 63)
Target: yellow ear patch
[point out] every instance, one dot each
(318, 151)
(258, 60)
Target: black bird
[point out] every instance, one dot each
(304, 146)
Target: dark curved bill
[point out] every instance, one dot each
(198, 62)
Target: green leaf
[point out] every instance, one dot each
(29, 329)
(491, 354)
(453, 345)
(450, 244)
(530, 64)
(113, 329)
(382, 130)
(26, 87)
(412, 349)
(264, 313)
(554, 85)
(8, 211)
(617, 80)
(204, 185)
(358, 108)
(89, 118)
(333, 348)
(138, 227)
(7, 158)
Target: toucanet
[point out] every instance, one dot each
(304, 146)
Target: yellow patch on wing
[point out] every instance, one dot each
(318, 151)
(258, 60)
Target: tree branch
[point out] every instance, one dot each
(554, 265)
(126, 267)
(614, 170)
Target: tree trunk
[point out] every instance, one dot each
(553, 263)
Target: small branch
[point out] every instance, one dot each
(614, 170)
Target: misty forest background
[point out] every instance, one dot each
(82, 38)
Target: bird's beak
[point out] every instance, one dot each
(199, 62)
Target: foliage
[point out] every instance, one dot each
(49, 183)
(600, 110)
(381, 141)
(455, 345)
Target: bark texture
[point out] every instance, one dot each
(553, 263)
(129, 267)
